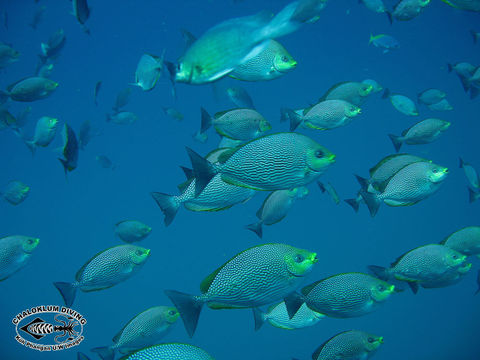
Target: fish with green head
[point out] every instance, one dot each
(401, 103)
(349, 345)
(15, 251)
(343, 295)
(258, 276)
(406, 10)
(15, 192)
(467, 5)
(473, 180)
(29, 89)
(145, 329)
(326, 115)
(423, 132)
(466, 241)
(411, 184)
(104, 270)
(224, 47)
(429, 266)
(148, 71)
(272, 162)
(216, 196)
(355, 93)
(170, 351)
(45, 132)
(273, 62)
(8, 55)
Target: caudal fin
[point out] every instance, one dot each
(82, 356)
(167, 204)
(4, 97)
(295, 119)
(372, 201)
(31, 146)
(396, 141)
(293, 302)
(188, 307)
(389, 16)
(282, 24)
(473, 195)
(379, 272)
(68, 292)
(206, 120)
(353, 203)
(203, 170)
(106, 353)
(259, 317)
(256, 228)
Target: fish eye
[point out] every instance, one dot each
(30, 241)
(381, 288)
(434, 171)
(284, 58)
(139, 252)
(371, 340)
(172, 312)
(299, 258)
(455, 257)
(319, 154)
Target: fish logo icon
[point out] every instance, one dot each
(65, 325)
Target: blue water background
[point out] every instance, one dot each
(75, 218)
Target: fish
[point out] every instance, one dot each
(376, 87)
(257, 276)
(15, 252)
(85, 134)
(386, 42)
(401, 103)
(406, 10)
(277, 316)
(52, 48)
(229, 44)
(7, 119)
(104, 270)
(343, 295)
(272, 162)
(122, 118)
(423, 132)
(307, 11)
(37, 17)
(240, 97)
(473, 180)
(375, 5)
(431, 96)
(81, 11)
(145, 329)
(464, 71)
(475, 36)
(8, 55)
(467, 5)
(148, 71)
(217, 195)
(123, 97)
(132, 230)
(429, 266)
(355, 93)
(271, 63)
(29, 89)
(82, 356)
(96, 90)
(466, 241)
(411, 184)
(45, 132)
(104, 162)
(442, 105)
(330, 190)
(275, 207)
(173, 113)
(44, 70)
(326, 115)
(70, 150)
(349, 345)
(236, 124)
(355, 202)
(173, 351)
(15, 192)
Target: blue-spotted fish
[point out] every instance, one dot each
(15, 251)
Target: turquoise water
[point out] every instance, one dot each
(74, 217)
